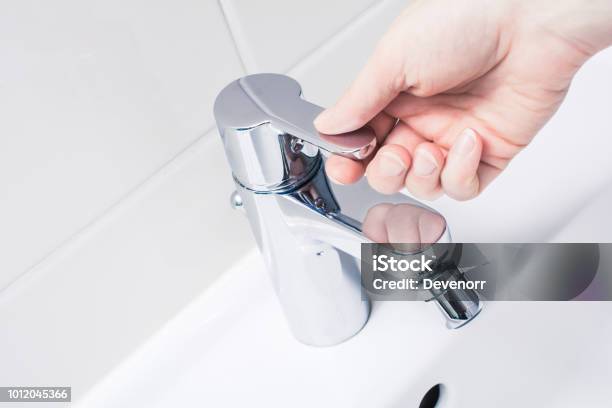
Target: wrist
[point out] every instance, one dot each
(585, 24)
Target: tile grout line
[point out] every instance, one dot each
(109, 211)
(337, 34)
(114, 207)
(161, 170)
(228, 26)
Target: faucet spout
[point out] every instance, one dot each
(309, 231)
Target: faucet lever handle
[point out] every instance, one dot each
(278, 97)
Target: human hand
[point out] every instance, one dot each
(469, 83)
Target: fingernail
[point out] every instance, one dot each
(390, 165)
(466, 142)
(424, 164)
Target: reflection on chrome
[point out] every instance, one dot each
(308, 230)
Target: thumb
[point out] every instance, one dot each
(379, 82)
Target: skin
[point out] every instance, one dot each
(405, 225)
(457, 88)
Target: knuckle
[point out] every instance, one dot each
(462, 193)
(425, 190)
(460, 188)
(423, 89)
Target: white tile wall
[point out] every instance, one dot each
(94, 97)
(273, 35)
(98, 298)
(112, 219)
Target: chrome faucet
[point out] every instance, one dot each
(308, 230)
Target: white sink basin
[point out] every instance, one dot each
(232, 348)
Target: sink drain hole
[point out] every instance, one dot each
(432, 397)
